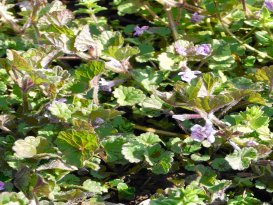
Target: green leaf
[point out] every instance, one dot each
(148, 138)
(7, 198)
(128, 95)
(133, 151)
(206, 175)
(220, 164)
(200, 158)
(160, 160)
(190, 195)
(125, 192)
(128, 7)
(166, 62)
(121, 53)
(222, 58)
(60, 110)
(77, 146)
(112, 147)
(265, 74)
(175, 145)
(31, 147)
(84, 40)
(193, 90)
(94, 187)
(190, 146)
(146, 53)
(148, 78)
(91, 69)
(153, 102)
(18, 62)
(246, 199)
(110, 38)
(61, 41)
(240, 160)
(41, 57)
(210, 81)
(164, 164)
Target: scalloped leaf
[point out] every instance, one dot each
(240, 160)
(18, 61)
(133, 151)
(32, 147)
(128, 95)
(91, 69)
(84, 40)
(77, 146)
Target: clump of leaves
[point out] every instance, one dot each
(91, 100)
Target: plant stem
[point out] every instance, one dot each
(160, 132)
(95, 19)
(147, 7)
(25, 101)
(180, 9)
(69, 58)
(95, 84)
(171, 22)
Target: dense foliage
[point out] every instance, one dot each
(122, 101)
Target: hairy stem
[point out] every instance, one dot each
(180, 9)
(95, 84)
(147, 7)
(171, 22)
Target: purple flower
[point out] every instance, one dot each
(203, 49)
(25, 5)
(251, 143)
(118, 66)
(2, 186)
(61, 100)
(114, 63)
(269, 4)
(140, 30)
(186, 117)
(106, 85)
(196, 18)
(199, 133)
(257, 14)
(97, 122)
(188, 75)
(180, 49)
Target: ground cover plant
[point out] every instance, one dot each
(159, 102)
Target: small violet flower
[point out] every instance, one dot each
(199, 133)
(180, 49)
(203, 49)
(188, 75)
(2, 186)
(106, 85)
(140, 30)
(118, 66)
(269, 4)
(97, 122)
(114, 63)
(251, 143)
(196, 18)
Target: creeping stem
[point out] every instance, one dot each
(147, 7)
(160, 132)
